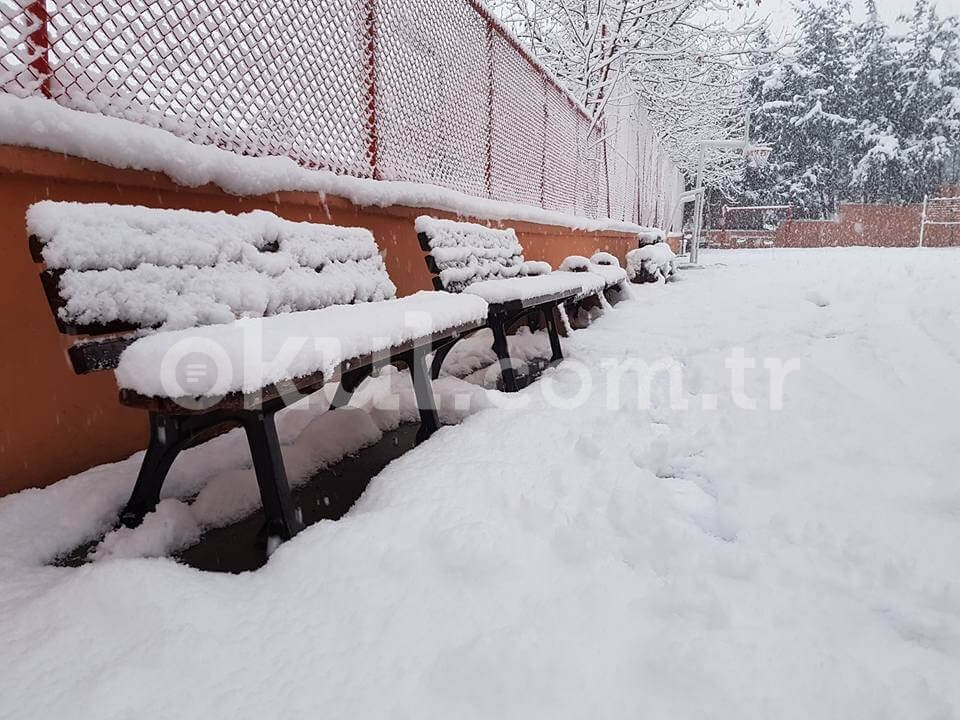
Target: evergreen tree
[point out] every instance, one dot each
(858, 114)
(805, 112)
(877, 99)
(928, 119)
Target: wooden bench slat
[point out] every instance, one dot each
(97, 355)
(36, 248)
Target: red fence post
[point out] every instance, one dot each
(373, 148)
(543, 163)
(488, 169)
(39, 44)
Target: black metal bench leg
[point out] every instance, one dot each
(283, 519)
(165, 445)
(499, 328)
(614, 294)
(549, 316)
(440, 352)
(348, 385)
(423, 390)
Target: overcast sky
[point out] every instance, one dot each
(781, 13)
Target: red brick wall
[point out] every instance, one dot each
(867, 225)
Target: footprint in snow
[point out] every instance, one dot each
(588, 447)
(818, 299)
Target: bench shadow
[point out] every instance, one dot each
(328, 495)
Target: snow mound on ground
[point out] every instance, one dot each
(171, 527)
(817, 298)
(680, 563)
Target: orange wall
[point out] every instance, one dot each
(56, 423)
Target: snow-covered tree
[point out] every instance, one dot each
(685, 62)
(877, 103)
(857, 113)
(929, 122)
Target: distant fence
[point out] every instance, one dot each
(855, 225)
(432, 91)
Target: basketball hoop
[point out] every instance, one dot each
(758, 155)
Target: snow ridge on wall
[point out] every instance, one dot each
(435, 92)
(38, 123)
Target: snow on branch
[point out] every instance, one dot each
(688, 63)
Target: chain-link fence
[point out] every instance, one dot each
(427, 91)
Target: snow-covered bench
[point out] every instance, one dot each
(485, 262)
(602, 265)
(651, 263)
(213, 320)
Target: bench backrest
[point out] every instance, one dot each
(125, 270)
(605, 258)
(463, 253)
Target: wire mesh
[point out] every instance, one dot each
(430, 91)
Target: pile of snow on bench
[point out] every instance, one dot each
(605, 258)
(527, 288)
(252, 353)
(651, 263)
(179, 268)
(535, 267)
(467, 252)
(608, 269)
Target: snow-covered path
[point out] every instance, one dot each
(608, 562)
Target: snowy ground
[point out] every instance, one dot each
(539, 562)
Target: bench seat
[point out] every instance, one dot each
(529, 290)
(611, 275)
(322, 340)
(590, 283)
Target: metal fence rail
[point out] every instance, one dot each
(429, 91)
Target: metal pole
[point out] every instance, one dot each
(606, 165)
(923, 220)
(697, 211)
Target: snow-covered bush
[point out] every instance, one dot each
(651, 263)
